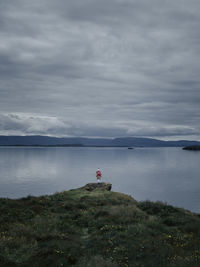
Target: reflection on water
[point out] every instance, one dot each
(166, 174)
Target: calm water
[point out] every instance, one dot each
(167, 174)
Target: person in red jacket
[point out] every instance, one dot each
(98, 175)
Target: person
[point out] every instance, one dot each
(98, 175)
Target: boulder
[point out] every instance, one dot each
(102, 186)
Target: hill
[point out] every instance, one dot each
(91, 226)
(80, 141)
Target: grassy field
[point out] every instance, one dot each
(96, 229)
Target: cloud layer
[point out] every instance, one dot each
(100, 68)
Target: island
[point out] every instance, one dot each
(197, 147)
(93, 226)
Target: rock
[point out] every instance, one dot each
(102, 186)
(192, 147)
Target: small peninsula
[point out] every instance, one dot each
(92, 226)
(192, 148)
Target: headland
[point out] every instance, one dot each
(92, 226)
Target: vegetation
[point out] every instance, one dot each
(96, 229)
(192, 147)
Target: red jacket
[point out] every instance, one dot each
(98, 173)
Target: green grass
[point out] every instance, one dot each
(96, 229)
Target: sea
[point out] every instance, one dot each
(170, 175)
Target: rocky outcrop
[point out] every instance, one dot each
(191, 148)
(102, 186)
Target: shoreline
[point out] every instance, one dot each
(91, 146)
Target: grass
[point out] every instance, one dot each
(96, 229)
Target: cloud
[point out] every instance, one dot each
(131, 66)
(30, 124)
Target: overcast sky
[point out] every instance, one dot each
(100, 68)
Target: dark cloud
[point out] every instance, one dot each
(100, 68)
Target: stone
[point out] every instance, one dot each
(102, 186)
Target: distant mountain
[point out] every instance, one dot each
(37, 140)
(149, 142)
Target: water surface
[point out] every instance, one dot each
(167, 174)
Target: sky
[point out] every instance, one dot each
(100, 68)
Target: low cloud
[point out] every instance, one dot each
(30, 124)
(22, 124)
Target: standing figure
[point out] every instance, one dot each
(98, 175)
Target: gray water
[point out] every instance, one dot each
(166, 174)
